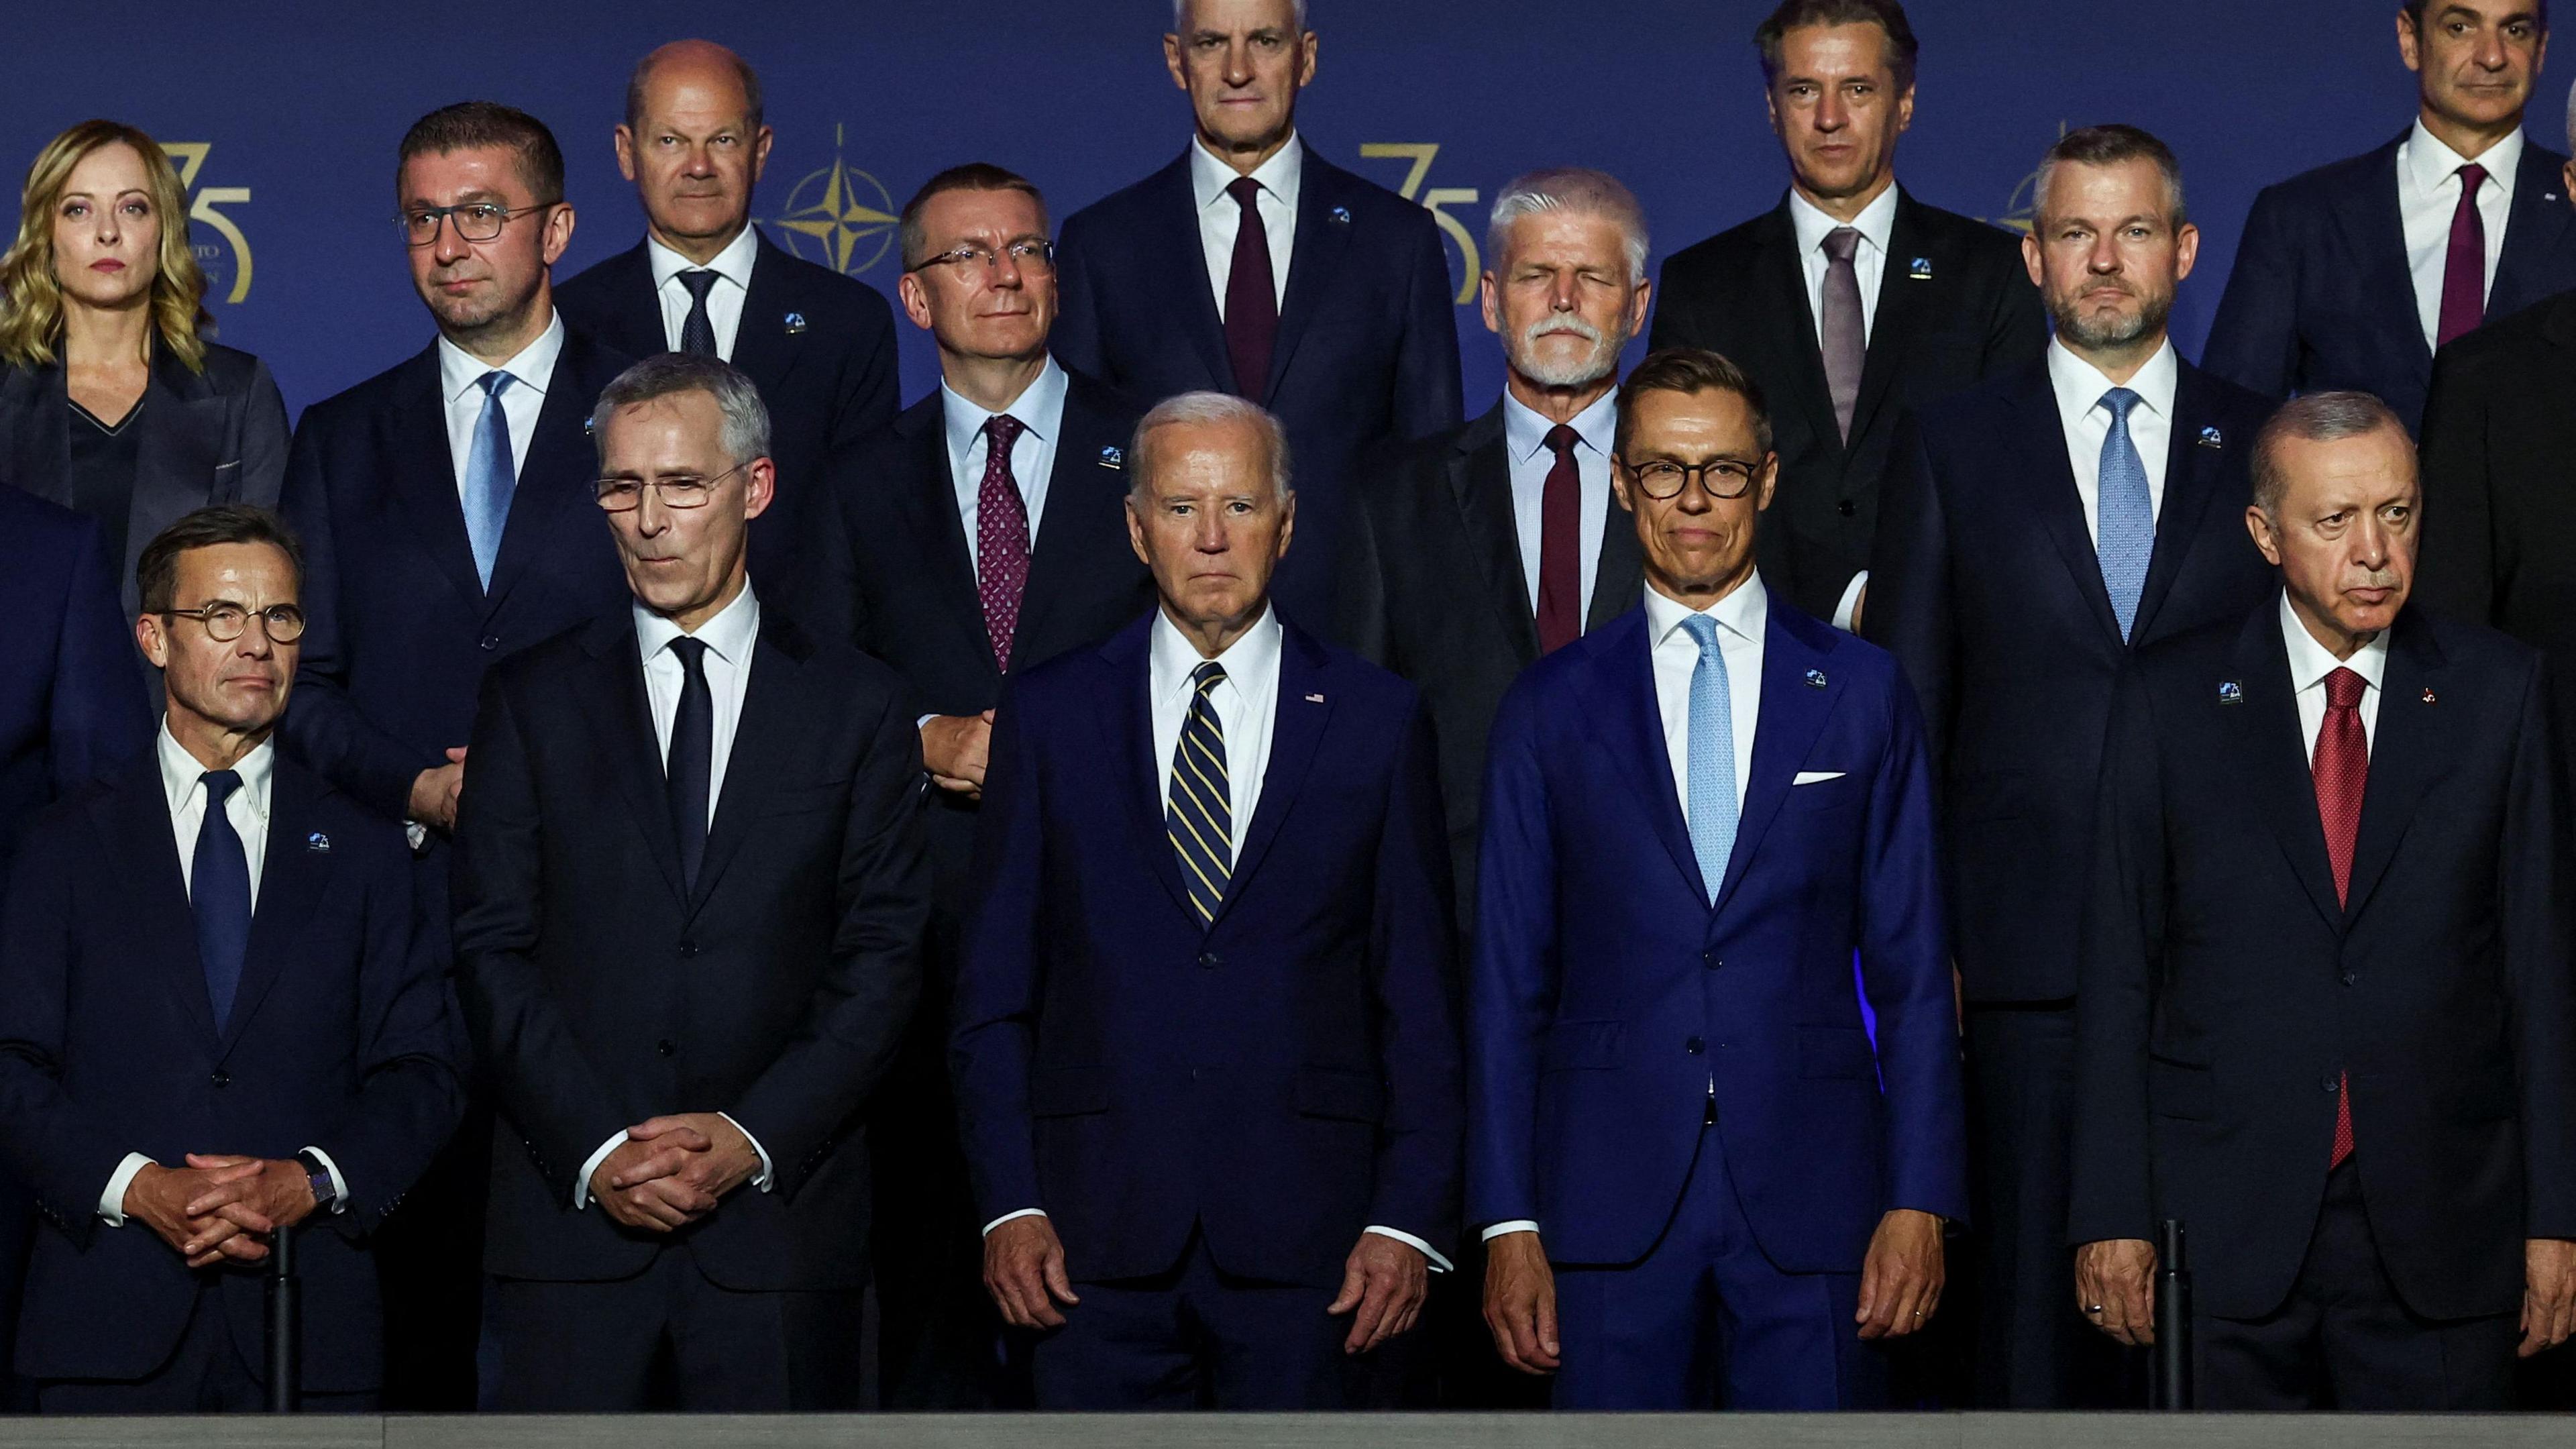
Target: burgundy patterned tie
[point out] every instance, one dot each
(2464, 271)
(1251, 297)
(2342, 768)
(1001, 537)
(1560, 546)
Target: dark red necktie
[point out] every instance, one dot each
(1001, 538)
(2342, 768)
(1560, 546)
(1251, 297)
(2464, 271)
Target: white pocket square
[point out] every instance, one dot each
(1816, 777)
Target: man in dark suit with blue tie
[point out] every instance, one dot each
(446, 512)
(1699, 1180)
(689, 897)
(1206, 1053)
(2354, 274)
(2037, 530)
(705, 280)
(215, 1023)
(1253, 266)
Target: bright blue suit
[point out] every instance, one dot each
(1679, 1092)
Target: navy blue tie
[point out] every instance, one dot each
(691, 765)
(219, 893)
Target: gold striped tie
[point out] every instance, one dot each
(1200, 816)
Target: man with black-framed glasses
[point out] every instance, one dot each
(447, 517)
(216, 1023)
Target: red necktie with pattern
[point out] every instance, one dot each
(1560, 546)
(2342, 768)
(1001, 538)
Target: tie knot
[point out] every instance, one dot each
(2119, 400)
(2343, 690)
(1842, 243)
(1002, 430)
(692, 653)
(1704, 629)
(1561, 440)
(1206, 677)
(2472, 176)
(220, 784)
(493, 382)
(699, 281)
(1244, 190)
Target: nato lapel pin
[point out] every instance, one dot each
(318, 843)
(1921, 270)
(2212, 438)
(795, 323)
(1113, 458)
(1341, 216)
(1816, 679)
(2230, 692)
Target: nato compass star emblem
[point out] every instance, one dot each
(839, 216)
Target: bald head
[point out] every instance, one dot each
(695, 63)
(694, 145)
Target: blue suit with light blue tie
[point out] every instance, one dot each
(1669, 1069)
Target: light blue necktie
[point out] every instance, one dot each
(2126, 521)
(490, 476)
(1712, 757)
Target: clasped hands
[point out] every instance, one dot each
(220, 1206)
(672, 1171)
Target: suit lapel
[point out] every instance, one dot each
(1900, 300)
(1303, 711)
(1792, 714)
(1127, 727)
(36, 401)
(2276, 758)
(763, 748)
(1314, 260)
(1083, 525)
(949, 558)
(137, 817)
(1480, 484)
(424, 482)
(2376, 230)
(763, 348)
(1618, 580)
(1631, 724)
(2059, 509)
(635, 320)
(2408, 754)
(292, 876)
(2535, 227)
(2191, 480)
(560, 460)
(633, 751)
(1176, 220)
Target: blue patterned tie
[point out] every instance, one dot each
(2126, 520)
(219, 895)
(1713, 805)
(490, 476)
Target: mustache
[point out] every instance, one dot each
(1564, 322)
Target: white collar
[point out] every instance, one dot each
(1038, 408)
(1745, 612)
(182, 773)
(532, 368)
(1525, 429)
(2310, 662)
(729, 635)
(2080, 385)
(1876, 222)
(733, 263)
(1280, 175)
(1174, 658)
(2430, 162)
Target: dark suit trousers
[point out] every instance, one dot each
(1704, 1321)
(1196, 1337)
(2344, 1340)
(599, 1348)
(209, 1373)
(2034, 1349)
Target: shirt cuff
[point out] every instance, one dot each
(581, 1184)
(1851, 600)
(339, 1184)
(416, 835)
(1006, 1217)
(111, 1203)
(1516, 1225)
(1438, 1264)
(768, 1173)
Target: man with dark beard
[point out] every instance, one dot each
(2035, 532)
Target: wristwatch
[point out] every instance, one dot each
(317, 1177)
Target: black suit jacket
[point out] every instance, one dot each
(819, 345)
(399, 627)
(1955, 306)
(1985, 583)
(72, 705)
(2227, 993)
(599, 995)
(341, 1037)
(2321, 296)
(1367, 351)
(1433, 588)
(216, 436)
(904, 579)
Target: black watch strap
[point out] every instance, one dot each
(319, 1176)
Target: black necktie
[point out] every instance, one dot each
(219, 894)
(698, 333)
(692, 761)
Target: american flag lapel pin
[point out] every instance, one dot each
(1314, 699)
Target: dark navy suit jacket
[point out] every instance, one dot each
(341, 1037)
(1368, 342)
(1607, 996)
(71, 699)
(1282, 1078)
(2321, 296)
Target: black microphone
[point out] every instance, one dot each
(2173, 1320)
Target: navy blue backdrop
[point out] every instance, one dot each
(285, 115)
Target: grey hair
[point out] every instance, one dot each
(1204, 408)
(1578, 189)
(2318, 417)
(746, 418)
(1181, 15)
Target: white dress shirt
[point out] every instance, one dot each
(1876, 223)
(732, 267)
(183, 786)
(1246, 702)
(2079, 386)
(2428, 196)
(1525, 445)
(1040, 411)
(730, 637)
(521, 401)
(2310, 663)
(1220, 216)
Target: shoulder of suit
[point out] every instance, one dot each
(1410, 464)
(41, 522)
(2477, 646)
(1122, 208)
(2508, 340)
(2241, 406)
(1972, 415)
(1979, 242)
(2332, 181)
(373, 393)
(1091, 395)
(229, 369)
(1721, 255)
(1369, 203)
(2200, 658)
(593, 287)
(819, 287)
(345, 824)
(1375, 686)
(550, 662)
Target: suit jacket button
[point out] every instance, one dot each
(2331, 1081)
(665, 1048)
(1209, 960)
(491, 642)
(221, 1078)
(1709, 960)
(688, 950)
(1693, 1046)
(1845, 508)
(2349, 979)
